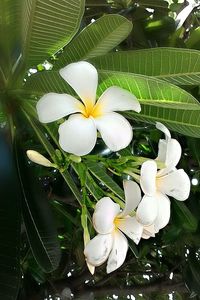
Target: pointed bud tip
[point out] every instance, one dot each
(38, 158)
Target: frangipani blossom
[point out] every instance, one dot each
(111, 224)
(158, 185)
(78, 134)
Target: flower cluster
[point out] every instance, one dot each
(147, 206)
(152, 210)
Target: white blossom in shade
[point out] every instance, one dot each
(157, 185)
(38, 158)
(78, 134)
(111, 224)
(86, 239)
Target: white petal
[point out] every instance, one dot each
(147, 210)
(105, 212)
(91, 268)
(52, 107)
(38, 158)
(172, 152)
(162, 150)
(132, 196)
(86, 239)
(78, 135)
(163, 215)
(119, 250)
(131, 227)
(83, 78)
(148, 177)
(164, 129)
(183, 14)
(98, 249)
(176, 184)
(145, 236)
(149, 231)
(118, 99)
(115, 130)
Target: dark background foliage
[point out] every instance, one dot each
(167, 267)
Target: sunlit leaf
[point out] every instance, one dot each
(194, 39)
(9, 38)
(96, 39)
(178, 66)
(48, 26)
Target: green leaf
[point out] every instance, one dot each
(160, 101)
(192, 272)
(37, 215)
(178, 66)
(10, 223)
(183, 217)
(100, 173)
(48, 26)
(153, 3)
(3, 118)
(194, 39)
(9, 38)
(194, 146)
(133, 248)
(46, 81)
(96, 39)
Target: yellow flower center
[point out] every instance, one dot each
(88, 109)
(116, 221)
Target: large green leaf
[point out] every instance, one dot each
(160, 100)
(38, 218)
(96, 39)
(178, 66)
(48, 26)
(183, 217)
(10, 223)
(194, 39)
(9, 38)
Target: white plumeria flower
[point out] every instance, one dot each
(158, 185)
(78, 134)
(111, 223)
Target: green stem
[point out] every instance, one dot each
(135, 176)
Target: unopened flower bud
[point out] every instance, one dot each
(38, 158)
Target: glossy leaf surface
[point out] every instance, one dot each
(96, 39)
(175, 65)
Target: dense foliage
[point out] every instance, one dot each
(147, 47)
